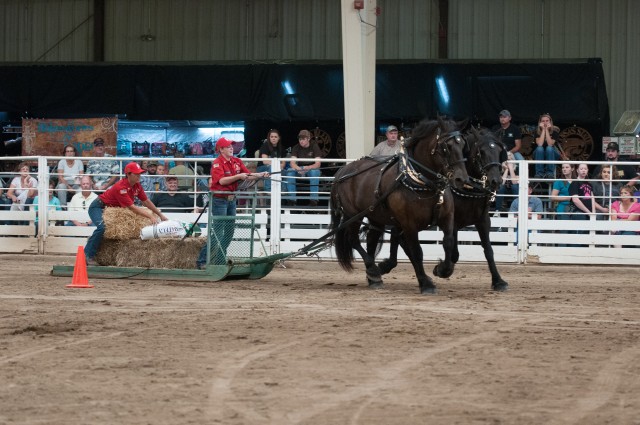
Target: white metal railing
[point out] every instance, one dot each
(516, 238)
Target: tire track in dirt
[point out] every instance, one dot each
(360, 396)
(57, 346)
(220, 393)
(603, 387)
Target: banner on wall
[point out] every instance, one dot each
(48, 137)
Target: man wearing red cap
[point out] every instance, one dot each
(227, 172)
(122, 194)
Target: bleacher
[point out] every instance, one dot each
(515, 238)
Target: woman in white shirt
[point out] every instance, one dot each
(22, 188)
(69, 172)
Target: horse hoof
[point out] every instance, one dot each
(376, 285)
(439, 273)
(428, 291)
(385, 267)
(500, 286)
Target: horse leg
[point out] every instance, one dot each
(374, 278)
(455, 255)
(390, 263)
(483, 227)
(412, 248)
(445, 268)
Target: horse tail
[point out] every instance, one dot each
(341, 244)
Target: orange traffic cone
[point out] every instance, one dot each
(80, 278)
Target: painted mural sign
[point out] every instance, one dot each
(48, 137)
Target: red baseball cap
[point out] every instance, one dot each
(134, 168)
(223, 143)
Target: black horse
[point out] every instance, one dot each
(407, 191)
(486, 155)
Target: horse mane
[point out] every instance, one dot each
(425, 128)
(476, 135)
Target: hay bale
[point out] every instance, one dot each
(152, 253)
(123, 224)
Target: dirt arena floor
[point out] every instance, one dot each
(310, 344)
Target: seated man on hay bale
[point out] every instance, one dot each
(122, 194)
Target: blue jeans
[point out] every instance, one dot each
(222, 231)
(267, 182)
(96, 210)
(545, 153)
(502, 190)
(518, 156)
(314, 182)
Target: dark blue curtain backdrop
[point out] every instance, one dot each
(302, 95)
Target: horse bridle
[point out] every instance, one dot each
(442, 149)
(481, 183)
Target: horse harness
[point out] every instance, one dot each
(410, 170)
(410, 173)
(408, 176)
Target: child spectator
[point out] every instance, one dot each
(560, 192)
(606, 189)
(534, 205)
(53, 204)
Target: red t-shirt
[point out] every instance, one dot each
(225, 168)
(122, 194)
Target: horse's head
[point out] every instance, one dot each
(439, 146)
(449, 149)
(486, 154)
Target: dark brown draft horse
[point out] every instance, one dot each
(407, 191)
(486, 155)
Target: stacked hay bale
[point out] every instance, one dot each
(122, 246)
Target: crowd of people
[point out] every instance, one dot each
(610, 192)
(573, 192)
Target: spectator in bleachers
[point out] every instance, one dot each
(304, 163)
(70, 170)
(53, 203)
(625, 174)
(606, 189)
(22, 189)
(81, 201)
(547, 135)
(534, 204)
(626, 209)
(510, 184)
(389, 146)
(581, 191)
(3, 197)
(560, 191)
(174, 201)
(151, 181)
(510, 135)
(103, 172)
(182, 169)
(271, 148)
